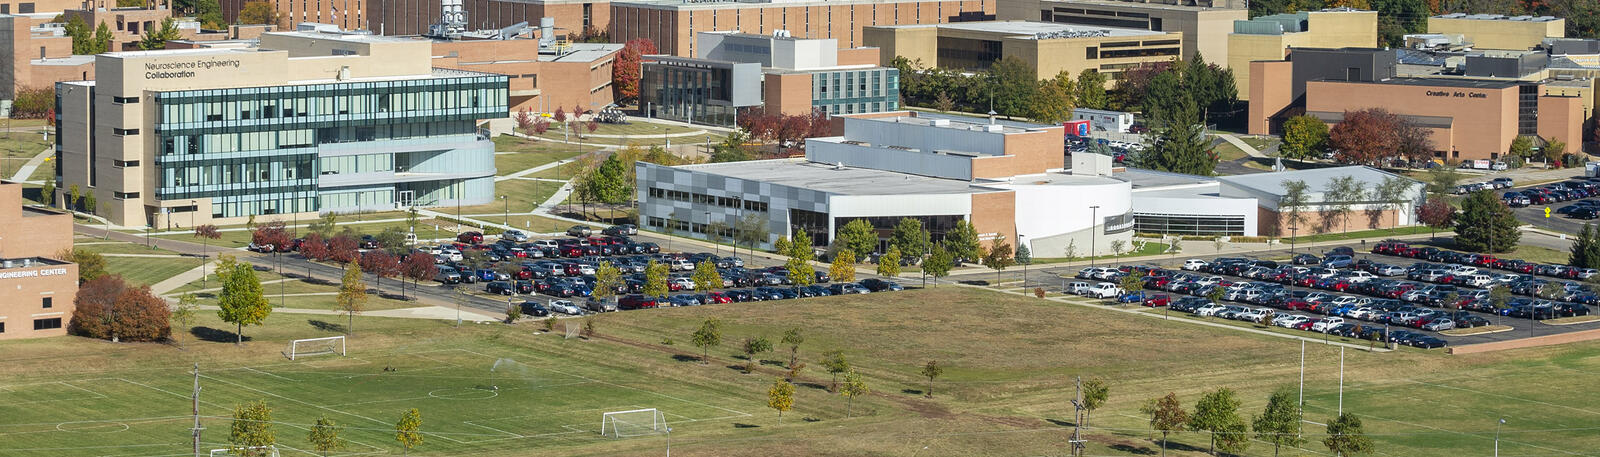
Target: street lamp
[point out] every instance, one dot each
(1093, 216)
(1020, 242)
(1497, 437)
(507, 205)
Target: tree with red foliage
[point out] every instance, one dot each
(314, 247)
(380, 263)
(50, 117)
(524, 120)
(820, 126)
(626, 69)
(343, 248)
(540, 126)
(108, 308)
(418, 266)
(592, 125)
(1436, 213)
(1365, 137)
(1131, 89)
(272, 233)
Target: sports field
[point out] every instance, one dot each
(492, 389)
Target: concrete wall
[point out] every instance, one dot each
(923, 137)
(1562, 118)
(918, 163)
(1498, 33)
(1271, 93)
(1324, 29)
(672, 27)
(1481, 127)
(1049, 217)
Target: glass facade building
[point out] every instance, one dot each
(342, 146)
(698, 91)
(870, 90)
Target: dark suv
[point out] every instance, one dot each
(635, 301)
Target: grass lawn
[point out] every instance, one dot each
(19, 147)
(283, 295)
(1261, 144)
(1148, 248)
(1374, 235)
(148, 271)
(497, 390)
(1227, 152)
(515, 154)
(641, 133)
(523, 195)
(1537, 254)
(427, 229)
(117, 247)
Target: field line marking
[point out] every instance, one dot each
(293, 400)
(270, 374)
(1474, 435)
(552, 370)
(1479, 392)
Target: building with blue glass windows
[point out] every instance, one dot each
(308, 122)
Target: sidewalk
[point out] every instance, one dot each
(32, 164)
(533, 170)
(1243, 146)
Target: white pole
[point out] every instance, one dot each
(669, 441)
(1302, 375)
(1341, 381)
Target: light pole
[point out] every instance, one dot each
(1020, 242)
(1093, 215)
(507, 204)
(1496, 437)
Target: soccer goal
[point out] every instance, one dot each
(638, 422)
(314, 346)
(261, 451)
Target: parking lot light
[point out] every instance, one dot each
(1497, 437)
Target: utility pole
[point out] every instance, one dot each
(196, 396)
(1077, 418)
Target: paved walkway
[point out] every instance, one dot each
(532, 170)
(32, 164)
(649, 136)
(1243, 146)
(180, 279)
(420, 312)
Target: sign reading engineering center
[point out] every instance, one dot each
(32, 273)
(184, 69)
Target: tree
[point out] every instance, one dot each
(205, 233)
(89, 202)
(1279, 423)
(1095, 394)
(94, 313)
(709, 334)
(416, 267)
(1053, 99)
(1166, 416)
(258, 13)
(793, 338)
(324, 226)
(835, 362)
(210, 14)
(1178, 144)
(1365, 136)
(1118, 247)
(1486, 224)
(1023, 255)
(962, 241)
(733, 148)
(854, 386)
(798, 266)
(625, 71)
(1391, 193)
(252, 427)
(157, 39)
(47, 194)
(859, 237)
(1585, 249)
(344, 248)
(352, 295)
(1217, 412)
(938, 264)
(408, 430)
(1338, 198)
(1436, 213)
(1346, 437)
(910, 237)
(1555, 152)
(889, 263)
(706, 277)
(183, 314)
(393, 239)
(998, 256)
(73, 192)
(1304, 138)
(1014, 86)
(324, 436)
(655, 279)
(843, 268)
(1521, 146)
(1133, 283)
(102, 43)
(931, 370)
(91, 265)
(1092, 89)
(241, 302)
(1416, 141)
(780, 397)
(1293, 203)
(753, 347)
(607, 183)
(81, 44)
(1442, 180)
(607, 279)
(943, 102)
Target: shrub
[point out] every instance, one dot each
(108, 308)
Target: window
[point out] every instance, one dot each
(47, 324)
(125, 163)
(2, 324)
(5, 8)
(25, 8)
(125, 195)
(48, 302)
(125, 100)
(125, 132)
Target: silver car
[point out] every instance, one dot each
(565, 307)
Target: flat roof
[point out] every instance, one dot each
(1446, 82)
(837, 180)
(1141, 5)
(73, 60)
(946, 123)
(1316, 179)
(1497, 17)
(718, 4)
(1152, 179)
(1037, 30)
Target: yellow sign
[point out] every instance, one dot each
(1546, 211)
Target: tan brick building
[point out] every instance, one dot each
(1271, 37)
(672, 24)
(1205, 24)
(1050, 48)
(1493, 31)
(541, 79)
(36, 290)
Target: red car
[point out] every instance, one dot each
(470, 237)
(1157, 300)
(718, 297)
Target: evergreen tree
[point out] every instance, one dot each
(1486, 224)
(962, 241)
(1586, 248)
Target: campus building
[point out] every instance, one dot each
(781, 73)
(307, 122)
(1008, 181)
(1494, 31)
(674, 24)
(1050, 48)
(1204, 24)
(544, 72)
(39, 288)
(346, 14)
(1473, 111)
(1367, 214)
(1271, 37)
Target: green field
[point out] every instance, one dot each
(522, 195)
(515, 154)
(149, 270)
(492, 389)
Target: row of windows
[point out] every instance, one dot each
(1189, 225)
(365, 163)
(683, 226)
(238, 171)
(703, 199)
(362, 101)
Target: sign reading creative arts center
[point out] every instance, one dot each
(33, 273)
(1457, 94)
(184, 68)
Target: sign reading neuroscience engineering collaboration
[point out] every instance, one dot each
(184, 69)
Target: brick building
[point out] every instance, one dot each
(38, 289)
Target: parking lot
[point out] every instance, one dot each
(1054, 279)
(1558, 221)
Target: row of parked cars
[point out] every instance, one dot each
(635, 301)
(1552, 193)
(1331, 325)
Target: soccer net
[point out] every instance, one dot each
(314, 346)
(260, 451)
(638, 422)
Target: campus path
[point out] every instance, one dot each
(533, 170)
(33, 164)
(1238, 143)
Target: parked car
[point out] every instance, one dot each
(1104, 290)
(580, 230)
(534, 309)
(499, 287)
(514, 235)
(879, 285)
(1194, 264)
(565, 307)
(470, 237)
